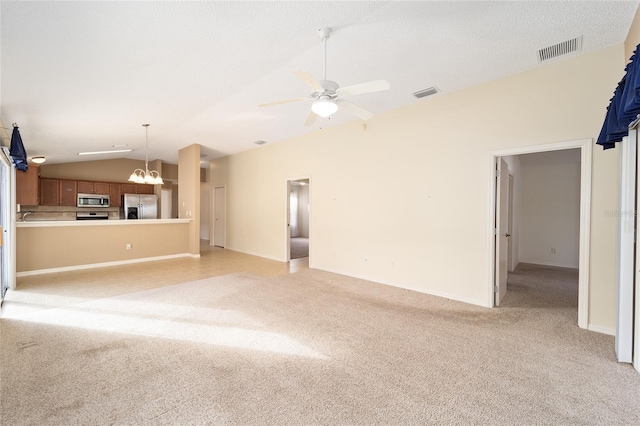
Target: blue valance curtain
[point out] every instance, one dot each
(17, 151)
(624, 106)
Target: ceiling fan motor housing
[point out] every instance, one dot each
(330, 88)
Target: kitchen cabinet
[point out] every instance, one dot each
(146, 189)
(28, 186)
(115, 195)
(57, 192)
(135, 188)
(93, 187)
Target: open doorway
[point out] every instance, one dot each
(582, 150)
(298, 214)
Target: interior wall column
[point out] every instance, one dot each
(189, 193)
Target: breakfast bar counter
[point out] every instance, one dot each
(45, 246)
(49, 222)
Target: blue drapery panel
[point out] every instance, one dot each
(624, 106)
(17, 151)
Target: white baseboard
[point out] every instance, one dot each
(558, 265)
(603, 330)
(418, 290)
(255, 254)
(103, 264)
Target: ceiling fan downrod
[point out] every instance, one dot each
(324, 35)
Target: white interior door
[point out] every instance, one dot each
(632, 319)
(626, 249)
(502, 226)
(165, 203)
(4, 201)
(7, 223)
(219, 218)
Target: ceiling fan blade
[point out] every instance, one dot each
(354, 109)
(369, 87)
(310, 80)
(283, 102)
(311, 118)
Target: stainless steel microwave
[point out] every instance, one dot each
(93, 200)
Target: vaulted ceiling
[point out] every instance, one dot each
(84, 76)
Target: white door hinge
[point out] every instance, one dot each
(495, 289)
(497, 173)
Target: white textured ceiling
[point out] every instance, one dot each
(84, 76)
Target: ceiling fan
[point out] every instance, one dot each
(327, 95)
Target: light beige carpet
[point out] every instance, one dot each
(315, 348)
(299, 247)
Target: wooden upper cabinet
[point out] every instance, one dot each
(85, 187)
(93, 187)
(49, 191)
(55, 192)
(115, 195)
(128, 188)
(145, 189)
(100, 188)
(28, 186)
(136, 188)
(59, 192)
(68, 193)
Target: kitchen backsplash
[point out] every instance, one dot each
(28, 213)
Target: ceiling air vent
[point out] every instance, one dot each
(426, 92)
(560, 49)
(261, 142)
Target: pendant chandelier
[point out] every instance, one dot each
(145, 176)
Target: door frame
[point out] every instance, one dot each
(585, 146)
(287, 234)
(510, 225)
(9, 213)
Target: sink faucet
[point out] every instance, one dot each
(24, 216)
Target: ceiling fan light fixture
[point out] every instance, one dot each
(38, 160)
(324, 107)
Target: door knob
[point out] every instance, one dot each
(507, 235)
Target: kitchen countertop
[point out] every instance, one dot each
(51, 223)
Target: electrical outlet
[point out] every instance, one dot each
(365, 259)
(553, 250)
(128, 246)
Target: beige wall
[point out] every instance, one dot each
(5, 137)
(550, 208)
(633, 37)
(117, 170)
(189, 192)
(65, 246)
(411, 192)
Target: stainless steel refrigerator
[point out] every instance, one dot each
(140, 206)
